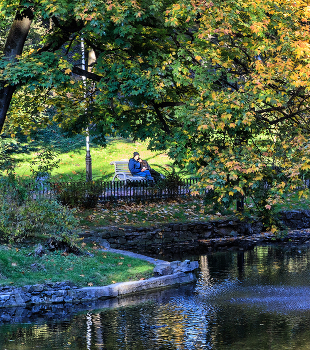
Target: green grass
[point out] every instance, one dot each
(72, 159)
(293, 202)
(18, 268)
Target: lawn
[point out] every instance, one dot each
(20, 266)
(72, 154)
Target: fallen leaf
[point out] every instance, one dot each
(14, 264)
(82, 275)
(129, 265)
(90, 284)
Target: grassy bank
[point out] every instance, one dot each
(72, 157)
(20, 266)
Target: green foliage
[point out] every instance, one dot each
(172, 178)
(23, 217)
(225, 88)
(44, 162)
(79, 194)
(6, 159)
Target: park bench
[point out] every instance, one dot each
(123, 173)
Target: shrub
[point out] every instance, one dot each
(171, 179)
(79, 194)
(38, 219)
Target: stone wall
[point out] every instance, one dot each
(296, 219)
(40, 313)
(177, 239)
(62, 292)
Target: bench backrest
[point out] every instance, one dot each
(121, 166)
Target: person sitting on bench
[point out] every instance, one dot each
(155, 174)
(135, 168)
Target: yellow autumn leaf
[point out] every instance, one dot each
(68, 71)
(306, 166)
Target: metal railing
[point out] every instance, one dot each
(109, 190)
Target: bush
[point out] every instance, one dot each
(79, 194)
(171, 179)
(38, 219)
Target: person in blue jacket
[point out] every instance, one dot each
(134, 166)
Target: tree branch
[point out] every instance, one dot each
(82, 72)
(161, 118)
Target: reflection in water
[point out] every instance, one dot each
(257, 299)
(89, 330)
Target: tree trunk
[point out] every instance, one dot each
(14, 46)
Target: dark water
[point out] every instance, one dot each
(258, 299)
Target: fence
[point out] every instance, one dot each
(111, 191)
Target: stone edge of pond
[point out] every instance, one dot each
(169, 274)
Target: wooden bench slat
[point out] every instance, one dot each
(123, 173)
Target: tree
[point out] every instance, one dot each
(223, 85)
(132, 43)
(12, 48)
(246, 131)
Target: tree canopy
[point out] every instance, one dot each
(224, 85)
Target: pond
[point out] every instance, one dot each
(258, 299)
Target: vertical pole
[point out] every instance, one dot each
(240, 203)
(89, 174)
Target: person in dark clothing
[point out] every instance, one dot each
(136, 169)
(155, 174)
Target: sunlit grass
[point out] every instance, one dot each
(19, 266)
(72, 162)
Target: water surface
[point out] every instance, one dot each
(257, 299)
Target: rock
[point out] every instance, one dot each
(175, 264)
(4, 297)
(39, 251)
(187, 266)
(162, 269)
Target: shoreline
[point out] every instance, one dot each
(167, 274)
